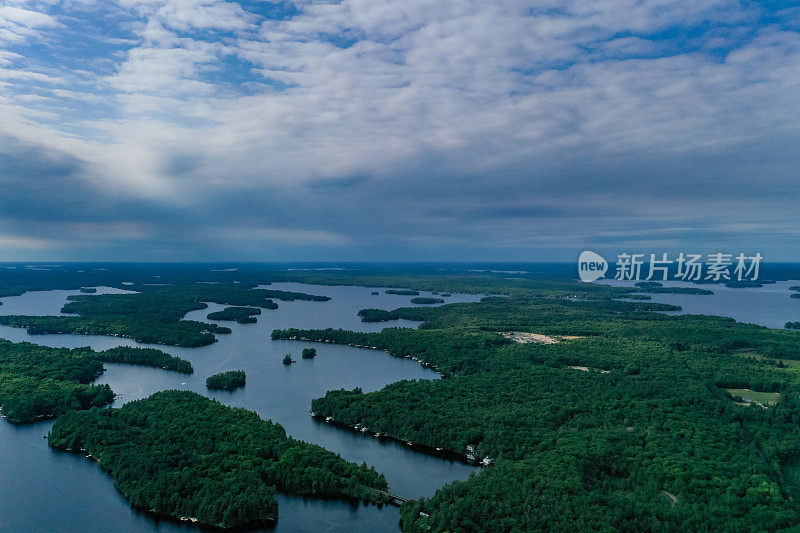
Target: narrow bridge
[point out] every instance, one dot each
(390, 498)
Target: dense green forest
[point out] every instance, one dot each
(242, 315)
(424, 301)
(233, 379)
(145, 356)
(625, 422)
(402, 292)
(624, 425)
(154, 314)
(186, 333)
(40, 382)
(183, 455)
(792, 325)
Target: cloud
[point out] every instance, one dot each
(25, 18)
(380, 128)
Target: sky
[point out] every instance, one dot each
(397, 130)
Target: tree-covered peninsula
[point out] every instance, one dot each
(182, 455)
(233, 379)
(154, 315)
(242, 315)
(40, 382)
(611, 417)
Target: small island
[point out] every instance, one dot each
(377, 315)
(131, 355)
(88, 290)
(375, 293)
(676, 290)
(309, 353)
(242, 315)
(426, 301)
(229, 381)
(402, 292)
(287, 359)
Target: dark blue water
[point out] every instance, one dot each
(45, 490)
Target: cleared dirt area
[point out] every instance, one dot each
(537, 338)
(762, 399)
(587, 369)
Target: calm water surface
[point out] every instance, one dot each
(45, 490)
(770, 305)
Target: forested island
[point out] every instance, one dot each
(648, 284)
(39, 382)
(183, 455)
(402, 292)
(155, 314)
(425, 301)
(230, 380)
(145, 356)
(309, 353)
(675, 290)
(242, 315)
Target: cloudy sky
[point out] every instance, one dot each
(397, 129)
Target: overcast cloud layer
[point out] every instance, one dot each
(397, 129)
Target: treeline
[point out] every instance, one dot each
(595, 433)
(145, 356)
(41, 382)
(230, 380)
(183, 455)
(424, 301)
(153, 315)
(242, 315)
(402, 292)
(674, 290)
(377, 315)
(185, 333)
(463, 353)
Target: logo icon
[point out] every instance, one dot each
(591, 266)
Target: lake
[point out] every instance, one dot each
(46, 490)
(770, 305)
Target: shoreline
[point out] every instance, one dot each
(422, 448)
